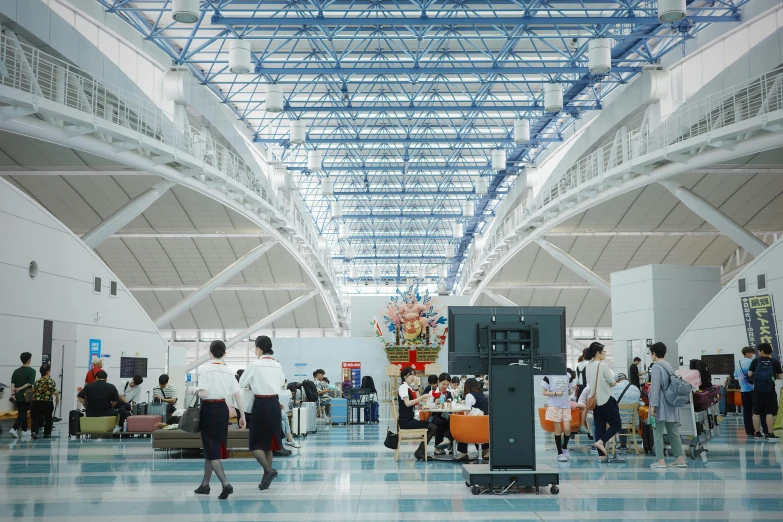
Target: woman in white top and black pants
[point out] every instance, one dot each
(216, 386)
(607, 411)
(406, 403)
(265, 378)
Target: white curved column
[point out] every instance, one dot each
(125, 214)
(266, 321)
(499, 299)
(576, 267)
(230, 271)
(712, 215)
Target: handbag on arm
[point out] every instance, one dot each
(591, 399)
(190, 422)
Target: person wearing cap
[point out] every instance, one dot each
(625, 393)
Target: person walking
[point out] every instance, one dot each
(666, 416)
(556, 389)
(764, 370)
(22, 379)
(42, 412)
(216, 387)
(601, 382)
(635, 373)
(265, 378)
(746, 390)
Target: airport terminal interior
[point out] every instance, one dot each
(391, 260)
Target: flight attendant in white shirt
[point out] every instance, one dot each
(216, 386)
(265, 378)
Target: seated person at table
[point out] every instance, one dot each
(558, 410)
(474, 398)
(100, 398)
(441, 420)
(407, 401)
(432, 383)
(625, 393)
(455, 388)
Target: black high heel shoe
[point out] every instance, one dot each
(227, 490)
(202, 490)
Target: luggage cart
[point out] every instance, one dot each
(697, 428)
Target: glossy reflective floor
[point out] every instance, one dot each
(345, 473)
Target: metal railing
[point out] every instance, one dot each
(46, 77)
(749, 99)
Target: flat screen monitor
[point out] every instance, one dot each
(541, 336)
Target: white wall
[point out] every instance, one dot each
(720, 326)
(657, 302)
(63, 292)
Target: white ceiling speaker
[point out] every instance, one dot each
(376, 272)
(600, 55)
(421, 272)
(176, 87)
(456, 231)
(344, 231)
(348, 252)
(185, 11)
(521, 131)
(298, 134)
(327, 187)
(444, 272)
(498, 160)
(482, 187)
(553, 97)
(274, 98)
(337, 209)
(239, 59)
(671, 10)
(468, 209)
(354, 272)
(321, 242)
(314, 159)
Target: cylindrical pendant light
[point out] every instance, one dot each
(456, 231)
(185, 11)
(449, 253)
(421, 273)
(298, 134)
(348, 252)
(239, 58)
(553, 97)
(327, 187)
(482, 187)
(354, 272)
(337, 209)
(498, 160)
(314, 159)
(600, 55)
(274, 98)
(344, 231)
(521, 131)
(671, 10)
(280, 178)
(468, 209)
(322, 242)
(444, 272)
(376, 272)
(480, 241)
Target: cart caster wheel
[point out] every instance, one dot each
(554, 490)
(475, 490)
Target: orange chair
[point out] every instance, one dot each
(549, 426)
(470, 429)
(424, 415)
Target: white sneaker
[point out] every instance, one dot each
(566, 454)
(116, 429)
(13, 433)
(562, 458)
(293, 444)
(25, 436)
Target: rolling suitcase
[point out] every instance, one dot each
(705, 398)
(141, 409)
(158, 409)
(339, 411)
(299, 421)
(73, 422)
(311, 408)
(372, 412)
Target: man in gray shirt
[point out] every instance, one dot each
(132, 390)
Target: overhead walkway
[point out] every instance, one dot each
(48, 99)
(742, 120)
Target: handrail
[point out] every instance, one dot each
(47, 77)
(751, 98)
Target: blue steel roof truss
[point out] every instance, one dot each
(408, 99)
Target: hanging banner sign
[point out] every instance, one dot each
(759, 314)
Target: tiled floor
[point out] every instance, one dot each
(345, 473)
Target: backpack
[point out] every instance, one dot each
(704, 372)
(763, 377)
(311, 392)
(678, 392)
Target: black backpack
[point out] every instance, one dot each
(704, 372)
(311, 392)
(764, 375)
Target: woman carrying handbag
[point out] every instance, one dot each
(216, 386)
(603, 405)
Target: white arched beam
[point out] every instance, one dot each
(576, 267)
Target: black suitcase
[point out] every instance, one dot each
(73, 422)
(648, 438)
(141, 409)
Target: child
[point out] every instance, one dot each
(558, 410)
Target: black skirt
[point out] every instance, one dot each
(214, 430)
(266, 425)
